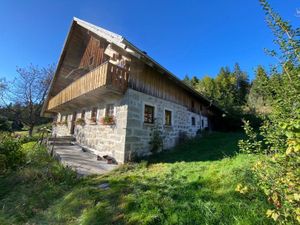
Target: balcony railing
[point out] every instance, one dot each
(107, 75)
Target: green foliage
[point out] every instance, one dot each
(11, 152)
(251, 144)
(80, 121)
(279, 175)
(228, 89)
(26, 192)
(157, 139)
(108, 120)
(260, 94)
(4, 124)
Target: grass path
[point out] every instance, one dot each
(192, 184)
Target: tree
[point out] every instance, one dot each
(29, 91)
(242, 85)
(187, 80)
(225, 88)
(207, 87)
(259, 95)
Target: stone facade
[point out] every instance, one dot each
(99, 138)
(130, 136)
(138, 133)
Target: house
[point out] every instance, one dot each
(110, 95)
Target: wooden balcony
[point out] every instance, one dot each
(104, 79)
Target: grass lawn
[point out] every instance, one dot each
(192, 184)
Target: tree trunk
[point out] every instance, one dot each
(30, 131)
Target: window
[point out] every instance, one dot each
(109, 110)
(66, 118)
(149, 114)
(82, 114)
(61, 118)
(168, 117)
(193, 121)
(202, 123)
(94, 113)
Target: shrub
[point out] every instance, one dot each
(11, 151)
(2, 164)
(4, 124)
(26, 139)
(156, 141)
(279, 177)
(251, 144)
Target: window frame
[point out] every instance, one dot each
(153, 113)
(171, 117)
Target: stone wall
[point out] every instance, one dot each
(99, 138)
(130, 136)
(138, 133)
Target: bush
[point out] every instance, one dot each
(251, 144)
(279, 177)
(4, 124)
(11, 152)
(156, 141)
(26, 139)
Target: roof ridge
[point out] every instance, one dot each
(99, 30)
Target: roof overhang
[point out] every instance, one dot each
(131, 49)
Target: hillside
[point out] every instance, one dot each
(192, 184)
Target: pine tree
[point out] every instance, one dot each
(259, 95)
(242, 85)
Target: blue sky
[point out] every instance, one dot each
(186, 37)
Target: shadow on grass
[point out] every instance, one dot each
(213, 146)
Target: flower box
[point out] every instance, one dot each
(107, 120)
(80, 121)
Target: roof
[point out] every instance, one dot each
(123, 43)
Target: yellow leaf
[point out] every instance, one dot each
(269, 213)
(298, 218)
(275, 216)
(297, 197)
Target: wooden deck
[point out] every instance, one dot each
(107, 75)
